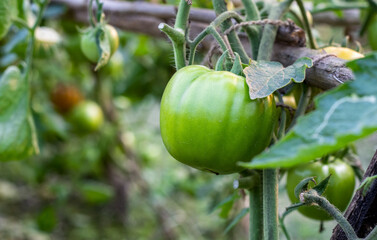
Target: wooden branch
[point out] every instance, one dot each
(362, 211)
(143, 17)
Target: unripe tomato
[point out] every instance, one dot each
(343, 53)
(89, 46)
(86, 116)
(208, 121)
(372, 33)
(65, 97)
(338, 192)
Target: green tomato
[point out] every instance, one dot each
(372, 34)
(89, 46)
(338, 192)
(208, 121)
(87, 116)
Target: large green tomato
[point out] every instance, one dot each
(372, 33)
(87, 116)
(209, 122)
(338, 192)
(89, 45)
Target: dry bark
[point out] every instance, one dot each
(362, 211)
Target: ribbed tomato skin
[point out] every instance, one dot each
(208, 121)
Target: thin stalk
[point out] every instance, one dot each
(220, 7)
(254, 34)
(270, 207)
(283, 118)
(182, 15)
(269, 32)
(335, 213)
(308, 28)
(256, 211)
(177, 37)
(91, 17)
(216, 23)
(31, 43)
(303, 103)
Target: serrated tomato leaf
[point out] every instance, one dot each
(321, 187)
(17, 134)
(264, 77)
(342, 115)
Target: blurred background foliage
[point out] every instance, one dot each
(82, 186)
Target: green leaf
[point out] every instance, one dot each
(264, 77)
(321, 187)
(239, 216)
(342, 115)
(96, 192)
(303, 186)
(8, 10)
(17, 133)
(226, 205)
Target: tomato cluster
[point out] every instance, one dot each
(84, 115)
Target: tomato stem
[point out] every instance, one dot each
(269, 32)
(220, 7)
(307, 26)
(303, 103)
(252, 14)
(270, 206)
(256, 210)
(311, 197)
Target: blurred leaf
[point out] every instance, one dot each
(47, 219)
(96, 192)
(226, 205)
(238, 218)
(342, 115)
(17, 133)
(8, 10)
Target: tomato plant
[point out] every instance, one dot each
(338, 192)
(209, 122)
(89, 44)
(87, 116)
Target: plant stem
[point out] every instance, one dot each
(283, 118)
(177, 37)
(310, 197)
(182, 15)
(303, 103)
(90, 10)
(270, 207)
(252, 14)
(177, 34)
(220, 7)
(269, 32)
(256, 210)
(31, 43)
(308, 28)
